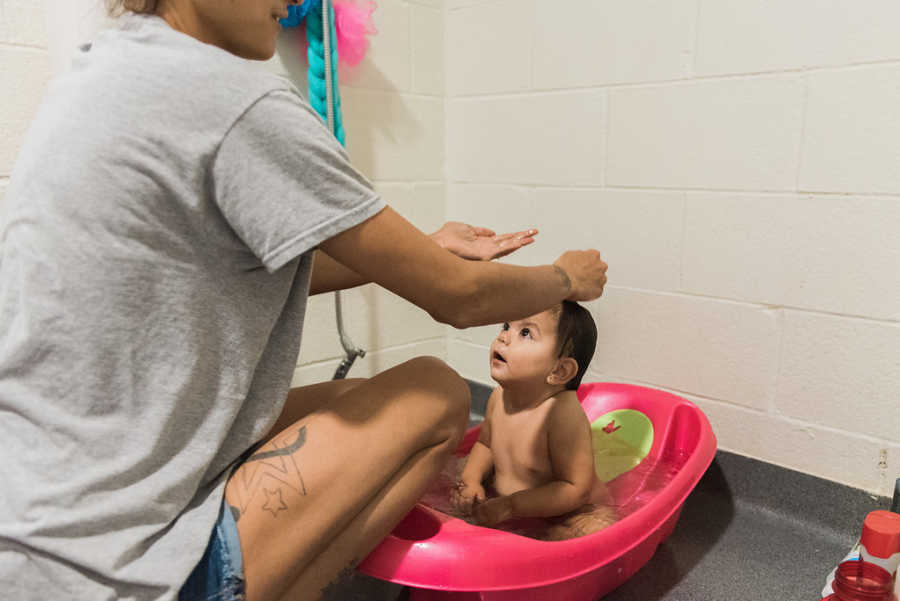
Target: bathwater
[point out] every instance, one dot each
(632, 491)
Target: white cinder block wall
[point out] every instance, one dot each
(394, 116)
(735, 160)
(737, 163)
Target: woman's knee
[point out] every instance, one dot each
(448, 392)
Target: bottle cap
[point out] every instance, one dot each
(881, 533)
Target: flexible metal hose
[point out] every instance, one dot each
(351, 350)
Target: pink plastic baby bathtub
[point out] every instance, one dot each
(447, 559)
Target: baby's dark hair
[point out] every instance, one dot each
(576, 337)
(117, 7)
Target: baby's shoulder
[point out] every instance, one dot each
(566, 399)
(566, 409)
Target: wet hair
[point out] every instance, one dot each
(117, 7)
(576, 337)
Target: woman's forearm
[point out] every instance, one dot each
(390, 251)
(329, 275)
(524, 291)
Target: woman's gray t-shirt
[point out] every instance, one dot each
(155, 258)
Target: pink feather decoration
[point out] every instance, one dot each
(353, 23)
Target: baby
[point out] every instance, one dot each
(535, 434)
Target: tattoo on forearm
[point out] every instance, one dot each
(273, 472)
(565, 276)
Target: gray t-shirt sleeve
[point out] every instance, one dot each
(284, 183)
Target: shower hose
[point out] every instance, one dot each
(325, 98)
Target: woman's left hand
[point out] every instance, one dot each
(493, 511)
(480, 243)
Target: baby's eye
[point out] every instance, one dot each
(505, 327)
(526, 332)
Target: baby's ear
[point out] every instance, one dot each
(566, 369)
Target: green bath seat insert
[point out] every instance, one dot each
(621, 440)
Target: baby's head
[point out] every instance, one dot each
(552, 348)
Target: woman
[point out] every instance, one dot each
(170, 212)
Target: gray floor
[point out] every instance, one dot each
(749, 531)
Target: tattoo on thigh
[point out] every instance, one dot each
(273, 472)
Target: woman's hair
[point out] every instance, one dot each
(576, 336)
(117, 7)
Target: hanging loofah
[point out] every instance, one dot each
(353, 26)
(353, 22)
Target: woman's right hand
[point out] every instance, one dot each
(465, 496)
(586, 273)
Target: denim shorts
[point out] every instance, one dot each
(220, 574)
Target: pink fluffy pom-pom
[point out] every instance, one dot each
(353, 23)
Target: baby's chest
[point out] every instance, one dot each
(521, 445)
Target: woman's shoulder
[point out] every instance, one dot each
(155, 56)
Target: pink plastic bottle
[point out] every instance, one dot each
(857, 580)
(879, 545)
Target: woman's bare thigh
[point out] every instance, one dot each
(304, 486)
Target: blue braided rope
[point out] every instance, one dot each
(316, 73)
(297, 12)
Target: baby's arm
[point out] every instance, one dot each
(479, 462)
(572, 459)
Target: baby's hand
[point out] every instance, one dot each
(464, 496)
(493, 511)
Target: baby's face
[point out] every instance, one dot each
(525, 350)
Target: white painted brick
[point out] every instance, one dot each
(740, 36)
(891, 472)
(842, 373)
(457, 4)
(504, 209)
(852, 138)
(394, 137)
(708, 347)
(395, 320)
(555, 139)
(638, 232)
(290, 60)
(391, 357)
(388, 62)
(320, 339)
(373, 318)
(423, 205)
(612, 42)
(24, 75)
(734, 134)
(430, 210)
(370, 365)
(4, 184)
(489, 48)
(482, 335)
(823, 452)
(427, 51)
(470, 360)
(23, 22)
(831, 253)
(734, 246)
